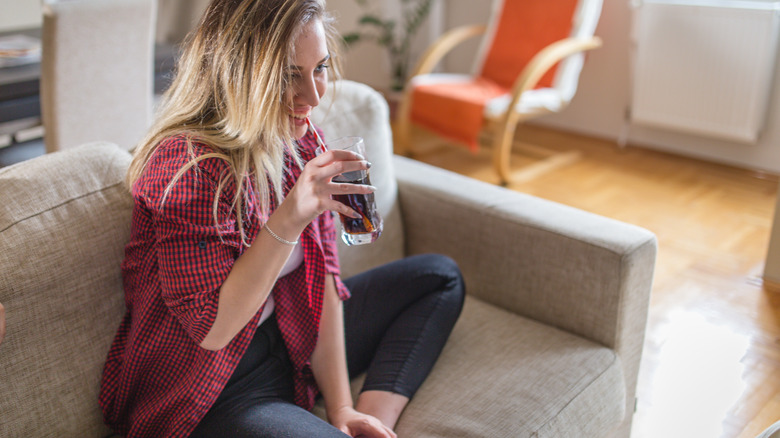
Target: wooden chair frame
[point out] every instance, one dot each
(505, 125)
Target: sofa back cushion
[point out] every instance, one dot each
(350, 108)
(64, 222)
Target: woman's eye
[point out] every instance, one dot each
(321, 68)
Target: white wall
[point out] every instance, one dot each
(603, 98)
(367, 62)
(19, 14)
(602, 101)
(600, 105)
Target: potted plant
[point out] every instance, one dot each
(395, 37)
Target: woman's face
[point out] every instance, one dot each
(308, 74)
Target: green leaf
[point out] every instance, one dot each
(397, 42)
(372, 20)
(418, 15)
(351, 38)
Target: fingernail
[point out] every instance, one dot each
(368, 164)
(373, 188)
(356, 215)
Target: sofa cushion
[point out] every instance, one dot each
(350, 108)
(503, 375)
(63, 226)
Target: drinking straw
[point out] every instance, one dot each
(319, 140)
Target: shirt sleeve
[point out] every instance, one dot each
(325, 221)
(330, 251)
(195, 253)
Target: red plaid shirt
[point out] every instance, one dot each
(157, 380)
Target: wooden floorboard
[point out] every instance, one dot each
(711, 363)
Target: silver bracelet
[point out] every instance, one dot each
(280, 239)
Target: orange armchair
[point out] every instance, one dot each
(528, 66)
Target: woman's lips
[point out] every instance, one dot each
(299, 117)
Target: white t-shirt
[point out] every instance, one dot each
(292, 263)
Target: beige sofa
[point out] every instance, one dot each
(548, 344)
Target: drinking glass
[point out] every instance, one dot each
(367, 228)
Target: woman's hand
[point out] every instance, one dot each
(358, 424)
(311, 195)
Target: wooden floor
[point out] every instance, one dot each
(711, 363)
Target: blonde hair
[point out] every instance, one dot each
(229, 93)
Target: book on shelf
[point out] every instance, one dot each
(5, 140)
(32, 133)
(19, 49)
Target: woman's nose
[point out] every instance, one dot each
(308, 93)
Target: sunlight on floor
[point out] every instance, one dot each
(698, 379)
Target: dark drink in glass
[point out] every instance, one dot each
(369, 226)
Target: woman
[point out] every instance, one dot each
(235, 314)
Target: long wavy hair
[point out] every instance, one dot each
(229, 92)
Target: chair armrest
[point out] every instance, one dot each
(443, 45)
(564, 267)
(544, 61)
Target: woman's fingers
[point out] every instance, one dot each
(350, 188)
(336, 155)
(342, 208)
(314, 191)
(337, 162)
(345, 168)
(390, 432)
(336, 168)
(369, 427)
(334, 163)
(375, 429)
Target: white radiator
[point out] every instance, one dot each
(705, 67)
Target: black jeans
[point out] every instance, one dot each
(396, 324)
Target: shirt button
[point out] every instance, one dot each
(202, 244)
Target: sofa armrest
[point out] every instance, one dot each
(574, 270)
(577, 271)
